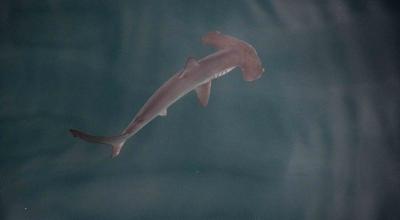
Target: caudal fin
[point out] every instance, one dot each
(117, 142)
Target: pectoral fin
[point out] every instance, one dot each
(163, 112)
(203, 93)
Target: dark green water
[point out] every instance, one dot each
(315, 138)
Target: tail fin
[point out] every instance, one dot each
(117, 142)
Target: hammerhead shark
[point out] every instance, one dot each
(196, 75)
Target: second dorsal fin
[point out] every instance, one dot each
(189, 65)
(203, 93)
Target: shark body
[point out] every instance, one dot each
(196, 75)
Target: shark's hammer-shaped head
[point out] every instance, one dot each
(249, 62)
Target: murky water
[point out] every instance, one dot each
(315, 138)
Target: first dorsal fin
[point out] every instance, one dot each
(203, 93)
(191, 62)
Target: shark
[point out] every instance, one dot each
(197, 76)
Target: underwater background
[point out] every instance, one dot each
(317, 137)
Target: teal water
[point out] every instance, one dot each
(315, 138)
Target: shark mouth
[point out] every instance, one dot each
(223, 72)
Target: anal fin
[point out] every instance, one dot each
(163, 112)
(203, 93)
